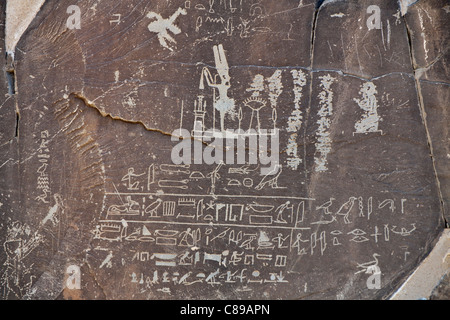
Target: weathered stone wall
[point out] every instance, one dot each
(349, 97)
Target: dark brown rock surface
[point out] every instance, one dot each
(90, 187)
(428, 24)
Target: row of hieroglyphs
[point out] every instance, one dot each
(260, 263)
(190, 250)
(242, 276)
(247, 242)
(229, 207)
(187, 247)
(300, 241)
(262, 234)
(149, 195)
(287, 217)
(261, 258)
(182, 192)
(168, 178)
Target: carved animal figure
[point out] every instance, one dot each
(346, 208)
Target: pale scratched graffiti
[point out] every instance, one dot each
(181, 226)
(275, 88)
(323, 144)
(43, 180)
(162, 27)
(17, 273)
(370, 120)
(295, 120)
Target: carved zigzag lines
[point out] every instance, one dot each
(83, 145)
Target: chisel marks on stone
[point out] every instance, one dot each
(81, 142)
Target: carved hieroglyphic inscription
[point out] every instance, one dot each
(216, 149)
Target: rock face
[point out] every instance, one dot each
(223, 149)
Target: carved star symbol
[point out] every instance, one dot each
(210, 205)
